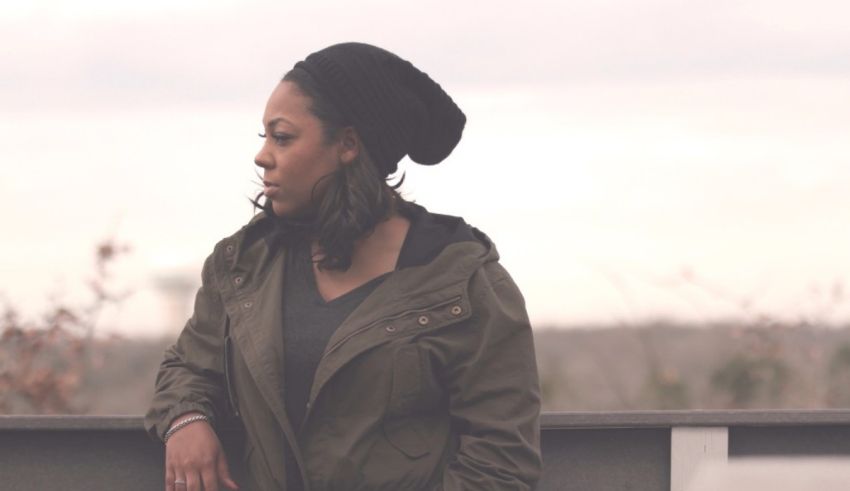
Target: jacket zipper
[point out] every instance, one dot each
(384, 319)
(229, 385)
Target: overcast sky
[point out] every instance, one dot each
(631, 159)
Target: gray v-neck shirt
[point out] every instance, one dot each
(308, 324)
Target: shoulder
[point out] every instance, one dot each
(493, 285)
(259, 226)
(241, 245)
(433, 235)
(463, 253)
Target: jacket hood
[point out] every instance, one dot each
(429, 235)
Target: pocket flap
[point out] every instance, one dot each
(404, 436)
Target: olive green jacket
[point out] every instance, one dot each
(431, 383)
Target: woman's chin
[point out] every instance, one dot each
(282, 210)
(285, 210)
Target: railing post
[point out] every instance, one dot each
(690, 446)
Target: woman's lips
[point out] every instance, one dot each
(270, 189)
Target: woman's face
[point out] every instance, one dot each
(294, 155)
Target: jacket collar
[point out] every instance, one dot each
(429, 233)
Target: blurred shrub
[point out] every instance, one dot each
(665, 389)
(838, 391)
(43, 365)
(748, 380)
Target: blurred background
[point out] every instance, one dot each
(667, 183)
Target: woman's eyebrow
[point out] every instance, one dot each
(277, 120)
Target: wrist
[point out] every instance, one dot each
(182, 424)
(183, 417)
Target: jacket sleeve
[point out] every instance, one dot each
(190, 375)
(494, 393)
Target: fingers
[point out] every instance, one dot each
(224, 472)
(182, 483)
(175, 480)
(193, 482)
(195, 460)
(205, 480)
(210, 479)
(179, 482)
(169, 478)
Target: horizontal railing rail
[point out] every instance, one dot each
(646, 451)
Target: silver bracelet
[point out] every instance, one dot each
(191, 419)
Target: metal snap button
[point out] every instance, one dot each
(423, 320)
(390, 328)
(457, 310)
(237, 280)
(248, 305)
(229, 248)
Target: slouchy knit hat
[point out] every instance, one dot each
(396, 109)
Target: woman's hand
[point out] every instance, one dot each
(193, 455)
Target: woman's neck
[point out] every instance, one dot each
(377, 251)
(373, 256)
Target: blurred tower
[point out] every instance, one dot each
(176, 287)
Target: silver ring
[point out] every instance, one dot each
(178, 481)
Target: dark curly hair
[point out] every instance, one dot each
(355, 199)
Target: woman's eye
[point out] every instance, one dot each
(279, 138)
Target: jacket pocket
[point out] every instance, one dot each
(400, 425)
(406, 437)
(406, 380)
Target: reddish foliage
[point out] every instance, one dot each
(42, 367)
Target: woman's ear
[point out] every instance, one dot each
(349, 145)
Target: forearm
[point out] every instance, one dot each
(182, 387)
(190, 377)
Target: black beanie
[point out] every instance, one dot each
(396, 109)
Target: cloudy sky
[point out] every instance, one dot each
(632, 160)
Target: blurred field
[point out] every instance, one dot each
(681, 367)
(644, 367)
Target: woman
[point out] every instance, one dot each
(361, 342)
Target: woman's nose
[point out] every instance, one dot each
(262, 160)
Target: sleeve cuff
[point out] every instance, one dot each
(162, 426)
